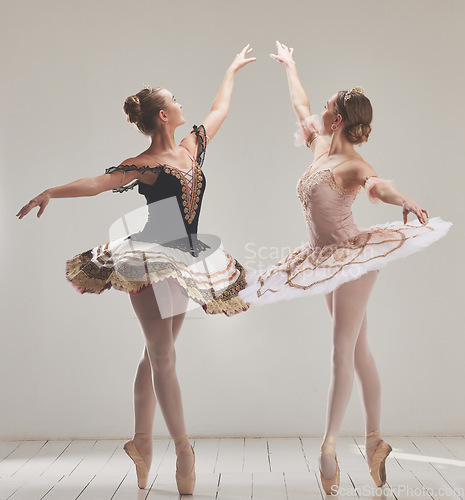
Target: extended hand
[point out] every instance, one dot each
(284, 54)
(410, 206)
(40, 200)
(240, 60)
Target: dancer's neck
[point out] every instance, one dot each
(340, 146)
(162, 142)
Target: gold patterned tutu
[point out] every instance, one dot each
(211, 277)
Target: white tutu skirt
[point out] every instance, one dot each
(312, 271)
(210, 276)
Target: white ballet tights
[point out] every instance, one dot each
(156, 374)
(351, 353)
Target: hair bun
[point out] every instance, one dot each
(358, 133)
(132, 109)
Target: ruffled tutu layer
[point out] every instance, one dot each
(311, 271)
(209, 275)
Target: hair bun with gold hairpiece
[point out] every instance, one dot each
(351, 92)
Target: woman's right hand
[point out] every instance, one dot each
(40, 200)
(284, 54)
(240, 60)
(410, 206)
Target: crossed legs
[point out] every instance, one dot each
(156, 377)
(350, 353)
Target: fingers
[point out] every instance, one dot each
(405, 214)
(247, 61)
(282, 46)
(424, 215)
(27, 208)
(420, 213)
(24, 211)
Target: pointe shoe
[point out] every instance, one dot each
(186, 483)
(142, 471)
(377, 462)
(331, 486)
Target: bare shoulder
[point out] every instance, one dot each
(359, 170)
(190, 143)
(319, 146)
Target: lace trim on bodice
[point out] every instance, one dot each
(190, 196)
(129, 168)
(326, 178)
(191, 184)
(191, 179)
(189, 176)
(323, 177)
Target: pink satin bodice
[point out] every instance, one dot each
(327, 208)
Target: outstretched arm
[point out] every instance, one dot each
(88, 186)
(380, 189)
(299, 98)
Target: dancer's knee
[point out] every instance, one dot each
(343, 358)
(162, 358)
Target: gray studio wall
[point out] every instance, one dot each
(67, 361)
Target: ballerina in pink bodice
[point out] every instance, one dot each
(341, 260)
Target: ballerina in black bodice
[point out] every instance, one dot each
(154, 258)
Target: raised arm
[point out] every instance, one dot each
(299, 98)
(220, 107)
(88, 186)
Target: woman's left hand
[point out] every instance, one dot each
(284, 54)
(410, 206)
(240, 60)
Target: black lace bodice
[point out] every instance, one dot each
(187, 186)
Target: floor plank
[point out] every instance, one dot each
(412, 460)
(96, 458)
(43, 459)
(235, 486)
(256, 455)
(286, 455)
(230, 469)
(443, 461)
(69, 487)
(302, 486)
(19, 457)
(7, 447)
(70, 458)
(268, 486)
(230, 456)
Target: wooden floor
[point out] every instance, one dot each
(233, 469)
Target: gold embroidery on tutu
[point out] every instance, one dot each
(335, 257)
(87, 276)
